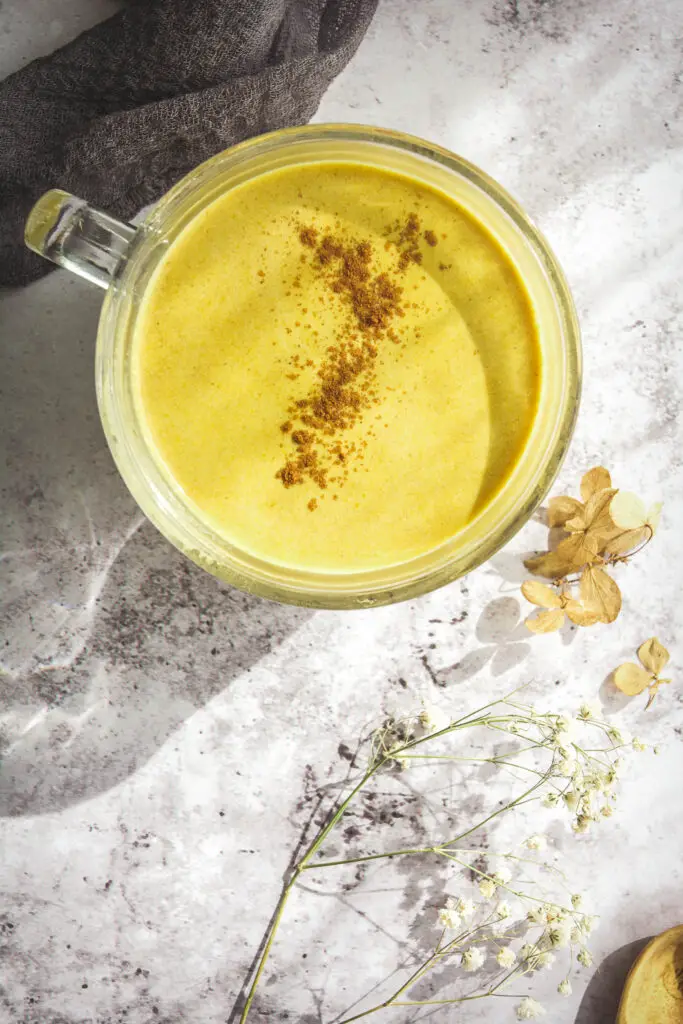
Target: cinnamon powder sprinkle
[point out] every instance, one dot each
(308, 236)
(345, 384)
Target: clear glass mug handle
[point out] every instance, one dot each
(73, 234)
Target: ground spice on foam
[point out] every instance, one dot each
(345, 384)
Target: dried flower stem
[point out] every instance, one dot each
(395, 745)
(291, 882)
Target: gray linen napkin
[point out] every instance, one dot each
(130, 106)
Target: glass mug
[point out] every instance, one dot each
(122, 258)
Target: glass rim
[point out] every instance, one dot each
(172, 513)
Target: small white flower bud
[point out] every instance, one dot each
(584, 957)
(449, 919)
(472, 959)
(487, 888)
(529, 1009)
(506, 957)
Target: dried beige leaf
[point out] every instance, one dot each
(604, 536)
(562, 509)
(653, 655)
(628, 511)
(625, 541)
(597, 512)
(600, 593)
(548, 564)
(541, 594)
(578, 549)
(653, 515)
(631, 679)
(579, 615)
(546, 622)
(594, 516)
(596, 479)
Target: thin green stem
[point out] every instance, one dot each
(415, 976)
(492, 991)
(474, 760)
(365, 1013)
(530, 860)
(445, 1002)
(284, 896)
(370, 856)
(501, 810)
(491, 704)
(429, 849)
(446, 731)
(501, 885)
(272, 931)
(444, 757)
(462, 723)
(532, 746)
(454, 944)
(323, 834)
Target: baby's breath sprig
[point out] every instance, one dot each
(605, 529)
(514, 913)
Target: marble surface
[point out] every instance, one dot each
(165, 736)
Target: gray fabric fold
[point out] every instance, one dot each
(129, 107)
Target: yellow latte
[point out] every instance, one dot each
(338, 365)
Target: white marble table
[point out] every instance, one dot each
(161, 731)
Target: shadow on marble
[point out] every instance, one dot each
(601, 999)
(509, 566)
(111, 638)
(163, 638)
(504, 641)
